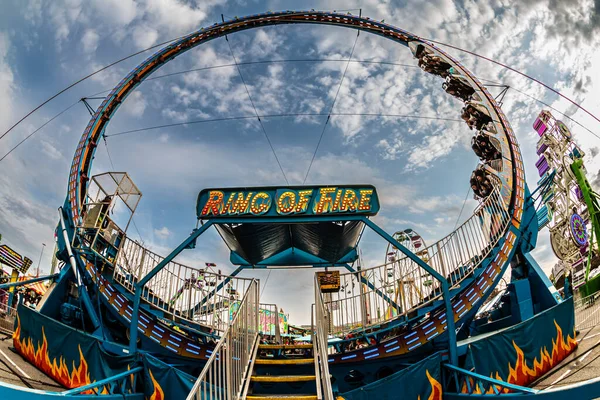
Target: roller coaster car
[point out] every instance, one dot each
(476, 115)
(481, 182)
(434, 65)
(429, 61)
(458, 87)
(484, 147)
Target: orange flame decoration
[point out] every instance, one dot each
(56, 369)
(158, 393)
(521, 374)
(436, 388)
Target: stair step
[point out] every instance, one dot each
(284, 346)
(281, 397)
(283, 361)
(282, 378)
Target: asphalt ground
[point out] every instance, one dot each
(12, 365)
(581, 365)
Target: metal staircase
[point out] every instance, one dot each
(283, 372)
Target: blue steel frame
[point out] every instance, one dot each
(588, 389)
(21, 283)
(187, 243)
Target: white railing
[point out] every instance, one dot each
(320, 336)
(197, 295)
(269, 321)
(400, 286)
(227, 371)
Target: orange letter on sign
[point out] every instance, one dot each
(260, 203)
(325, 203)
(303, 199)
(241, 204)
(349, 202)
(365, 200)
(214, 204)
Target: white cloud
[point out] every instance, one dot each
(89, 40)
(174, 15)
(390, 150)
(51, 151)
(117, 12)
(135, 104)
(162, 233)
(144, 36)
(7, 84)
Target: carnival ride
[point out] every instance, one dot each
(140, 315)
(568, 205)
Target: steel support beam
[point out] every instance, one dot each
(445, 288)
(139, 286)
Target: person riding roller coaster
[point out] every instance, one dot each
(431, 63)
(457, 88)
(481, 184)
(483, 147)
(434, 65)
(475, 116)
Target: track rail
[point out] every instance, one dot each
(510, 176)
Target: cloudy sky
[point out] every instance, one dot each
(420, 166)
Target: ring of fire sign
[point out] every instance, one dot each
(292, 201)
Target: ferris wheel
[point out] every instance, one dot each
(401, 278)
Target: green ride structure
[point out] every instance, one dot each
(569, 206)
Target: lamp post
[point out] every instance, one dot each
(40, 261)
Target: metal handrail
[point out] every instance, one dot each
(320, 336)
(394, 289)
(197, 295)
(473, 383)
(125, 378)
(227, 370)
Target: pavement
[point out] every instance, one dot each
(581, 365)
(36, 378)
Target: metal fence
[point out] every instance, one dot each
(197, 295)
(7, 318)
(320, 346)
(587, 311)
(382, 293)
(227, 371)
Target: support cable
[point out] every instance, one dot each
(331, 109)
(461, 209)
(554, 109)
(83, 79)
(113, 168)
(265, 285)
(38, 129)
(292, 60)
(285, 115)
(255, 110)
(518, 72)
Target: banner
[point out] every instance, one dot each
(162, 381)
(266, 324)
(70, 357)
(14, 260)
(420, 381)
(524, 352)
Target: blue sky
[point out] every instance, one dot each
(420, 167)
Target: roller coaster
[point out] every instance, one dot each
(120, 321)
